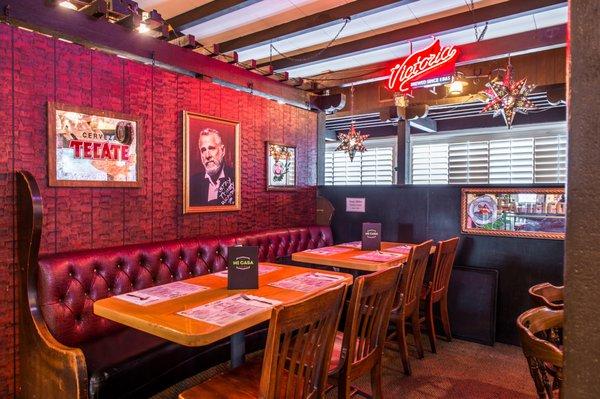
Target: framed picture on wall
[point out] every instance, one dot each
(211, 164)
(514, 212)
(93, 148)
(281, 166)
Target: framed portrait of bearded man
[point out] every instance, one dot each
(211, 164)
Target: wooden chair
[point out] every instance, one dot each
(406, 304)
(294, 365)
(436, 290)
(539, 330)
(358, 350)
(546, 294)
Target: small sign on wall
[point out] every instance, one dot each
(355, 205)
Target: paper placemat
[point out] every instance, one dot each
(400, 249)
(262, 269)
(328, 251)
(307, 282)
(353, 244)
(228, 310)
(378, 256)
(161, 293)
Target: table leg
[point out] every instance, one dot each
(238, 349)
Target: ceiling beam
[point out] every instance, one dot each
(206, 12)
(312, 22)
(113, 38)
(486, 50)
(499, 11)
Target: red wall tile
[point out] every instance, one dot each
(45, 69)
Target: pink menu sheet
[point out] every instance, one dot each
(161, 293)
(400, 249)
(378, 256)
(353, 244)
(230, 309)
(262, 269)
(328, 251)
(307, 282)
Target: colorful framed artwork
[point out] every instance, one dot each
(514, 212)
(93, 148)
(211, 164)
(281, 166)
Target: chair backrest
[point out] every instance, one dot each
(539, 330)
(442, 267)
(546, 294)
(412, 276)
(368, 316)
(299, 346)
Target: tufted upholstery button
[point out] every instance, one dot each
(172, 276)
(70, 274)
(96, 270)
(119, 265)
(61, 299)
(109, 289)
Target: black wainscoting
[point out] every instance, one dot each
(417, 213)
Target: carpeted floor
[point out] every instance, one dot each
(459, 370)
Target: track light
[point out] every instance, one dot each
(68, 4)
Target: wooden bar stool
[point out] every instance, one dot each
(436, 290)
(546, 294)
(358, 350)
(539, 330)
(294, 366)
(406, 304)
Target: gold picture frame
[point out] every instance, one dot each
(214, 137)
(88, 147)
(514, 212)
(285, 157)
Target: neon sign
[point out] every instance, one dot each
(432, 66)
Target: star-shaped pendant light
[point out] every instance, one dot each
(508, 97)
(352, 142)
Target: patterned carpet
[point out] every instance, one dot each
(459, 370)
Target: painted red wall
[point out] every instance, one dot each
(35, 69)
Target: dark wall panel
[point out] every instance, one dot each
(418, 213)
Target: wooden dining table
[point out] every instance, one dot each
(162, 319)
(347, 260)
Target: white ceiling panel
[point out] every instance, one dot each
(497, 29)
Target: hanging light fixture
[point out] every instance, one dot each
(456, 87)
(353, 141)
(508, 97)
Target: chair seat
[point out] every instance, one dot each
(240, 383)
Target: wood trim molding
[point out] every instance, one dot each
(48, 369)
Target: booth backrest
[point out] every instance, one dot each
(69, 283)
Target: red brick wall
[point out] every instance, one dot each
(35, 69)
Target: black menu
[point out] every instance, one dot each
(242, 268)
(371, 236)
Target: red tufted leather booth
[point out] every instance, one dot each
(124, 362)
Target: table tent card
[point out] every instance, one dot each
(378, 256)
(242, 266)
(230, 309)
(262, 269)
(161, 293)
(371, 236)
(307, 282)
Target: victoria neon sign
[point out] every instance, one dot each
(432, 66)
